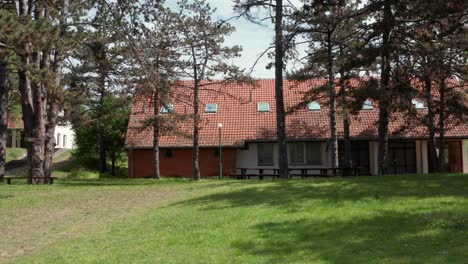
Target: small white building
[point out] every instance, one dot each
(64, 136)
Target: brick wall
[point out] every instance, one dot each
(180, 163)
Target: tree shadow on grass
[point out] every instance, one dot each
(433, 231)
(105, 180)
(389, 237)
(118, 182)
(334, 191)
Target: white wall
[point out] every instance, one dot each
(465, 155)
(70, 137)
(422, 165)
(247, 158)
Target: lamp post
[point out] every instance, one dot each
(220, 126)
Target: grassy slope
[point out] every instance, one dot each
(64, 166)
(15, 153)
(393, 219)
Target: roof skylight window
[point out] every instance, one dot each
(367, 105)
(263, 107)
(313, 106)
(169, 109)
(418, 104)
(211, 108)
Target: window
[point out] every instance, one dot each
(168, 153)
(401, 157)
(296, 154)
(263, 107)
(418, 104)
(64, 141)
(305, 153)
(313, 153)
(367, 105)
(265, 154)
(58, 139)
(211, 108)
(169, 109)
(313, 106)
(446, 154)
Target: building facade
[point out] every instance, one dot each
(248, 134)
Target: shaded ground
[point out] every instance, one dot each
(393, 219)
(16, 161)
(15, 158)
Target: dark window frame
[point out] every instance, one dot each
(306, 160)
(259, 159)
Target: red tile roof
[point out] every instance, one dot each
(237, 111)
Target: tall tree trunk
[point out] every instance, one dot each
(50, 116)
(346, 123)
(33, 96)
(331, 94)
(430, 121)
(53, 97)
(102, 107)
(280, 112)
(4, 88)
(27, 106)
(440, 161)
(386, 93)
(113, 160)
(196, 121)
(156, 127)
(49, 145)
(40, 112)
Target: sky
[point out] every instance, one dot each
(253, 38)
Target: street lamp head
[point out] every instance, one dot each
(219, 125)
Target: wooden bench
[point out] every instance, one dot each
(261, 173)
(34, 179)
(297, 172)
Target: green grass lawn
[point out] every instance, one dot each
(392, 219)
(15, 153)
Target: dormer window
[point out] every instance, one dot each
(313, 106)
(367, 105)
(418, 104)
(211, 108)
(263, 107)
(167, 109)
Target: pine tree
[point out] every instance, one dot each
(159, 44)
(435, 54)
(37, 44)
(4, 88)
(245, 8)
(99, 69)
(328, 27)
(205, 57)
